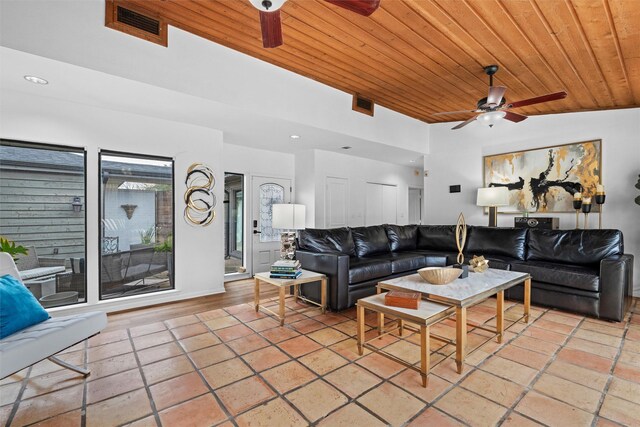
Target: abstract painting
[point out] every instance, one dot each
(545, 179)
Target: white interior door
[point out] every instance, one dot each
(389, 204)
(381, 204)
(266, 191)
(415, 206)
(336, 202)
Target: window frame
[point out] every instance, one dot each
(173, 218)
(68, 149)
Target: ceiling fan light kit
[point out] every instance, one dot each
(494, 107)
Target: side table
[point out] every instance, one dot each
(284, 284)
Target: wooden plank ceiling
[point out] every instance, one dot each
(419, 57)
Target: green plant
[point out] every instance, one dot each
(166, 246)
(9, 246)
(148, 236)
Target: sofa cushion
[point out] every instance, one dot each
(327, 241)
(401, 262)
(19, 309)
(437, 258)
(509, 242)
(570, 276)
(361, 269)
(437, 237)
(34, 273)
(402, 237)
(370, 240)
(583, 247)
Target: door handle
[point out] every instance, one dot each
(256, 232)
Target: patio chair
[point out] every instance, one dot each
(31, 266)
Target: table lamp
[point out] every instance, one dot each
(288, 217)
(492, 197)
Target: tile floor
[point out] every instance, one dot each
(236, 367)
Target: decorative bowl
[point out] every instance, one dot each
(439, 275)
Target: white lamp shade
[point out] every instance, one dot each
(493, 196)
(288, 216)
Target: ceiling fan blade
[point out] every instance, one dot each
(271, 28)
(463, 124)
(448, 113)
(538, 99)
(495, 95)
(361, 7)
(514, 117)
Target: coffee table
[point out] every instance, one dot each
(284, 284)
(463, 293)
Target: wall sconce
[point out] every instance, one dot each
(128, 209)
(77, 204)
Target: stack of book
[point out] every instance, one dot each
(286, 269)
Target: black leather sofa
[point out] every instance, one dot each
(584, 271)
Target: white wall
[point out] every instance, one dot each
(358, 171)
(199, 257)
(456, 158)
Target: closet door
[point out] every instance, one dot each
(336, 202)
(373, 207)
(389, 204)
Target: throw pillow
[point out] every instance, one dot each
(19, 309)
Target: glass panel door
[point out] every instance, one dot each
(233, 223)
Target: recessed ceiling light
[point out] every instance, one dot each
(36, 80)
(346, 147)
(294, 136)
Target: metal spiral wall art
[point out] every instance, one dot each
(199, 198)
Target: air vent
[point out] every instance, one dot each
(362, 105)
(136, 22)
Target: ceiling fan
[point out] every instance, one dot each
(495, 107)
(270, 16)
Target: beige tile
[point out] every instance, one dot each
(161, 352)
(470, 408)
(630, 358)
(353, 380)
(201, 411)
(9, 393)
(585, 359)
(380, 365)
(525, 357)
(411, 381)
(315, 400)
(322, 361)
(178, 389)
(327, 336)
(604, 328)
(516, 420)
(210, 355)
(152, 340)
(261, 325)
(598, 337)
(226, 372)
(52, 381)
(186, 331)
(108, 337)
(275, 413)
(299, 346)
(592, 347)
(245, 394)
(147, 329)
(578, 374)
(552, 412)
(48, 405)
(535, 344)
(165, 369)
(404, 350)
(348, 349)
(181, 321)
(108, 350)
(248, 344)
(349, 416)
(68, 419)
(621, 411)
(288, 376)
(221, 322)
(276, 335)
(624, 389)
(545, 335)
(633, 346)
(350, 327)
(113, 385)
(569, 392)
(436, 418)
(494, 388)
(149, 421)
(509, 370)
(110, 412)
(265, 358)
(199, 342)
(392, 404)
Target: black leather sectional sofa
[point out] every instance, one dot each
(584, 271)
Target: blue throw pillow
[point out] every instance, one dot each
(19, 309)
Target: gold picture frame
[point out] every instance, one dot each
(543, 180)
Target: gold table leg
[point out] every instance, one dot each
(281, 308)
(425, 352)
(461, 337)
(500, 315)
(380, 317)
(360, 320)
(256, 294)
(323, 295)
(527, 299)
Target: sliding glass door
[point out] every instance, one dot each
(136, 224)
